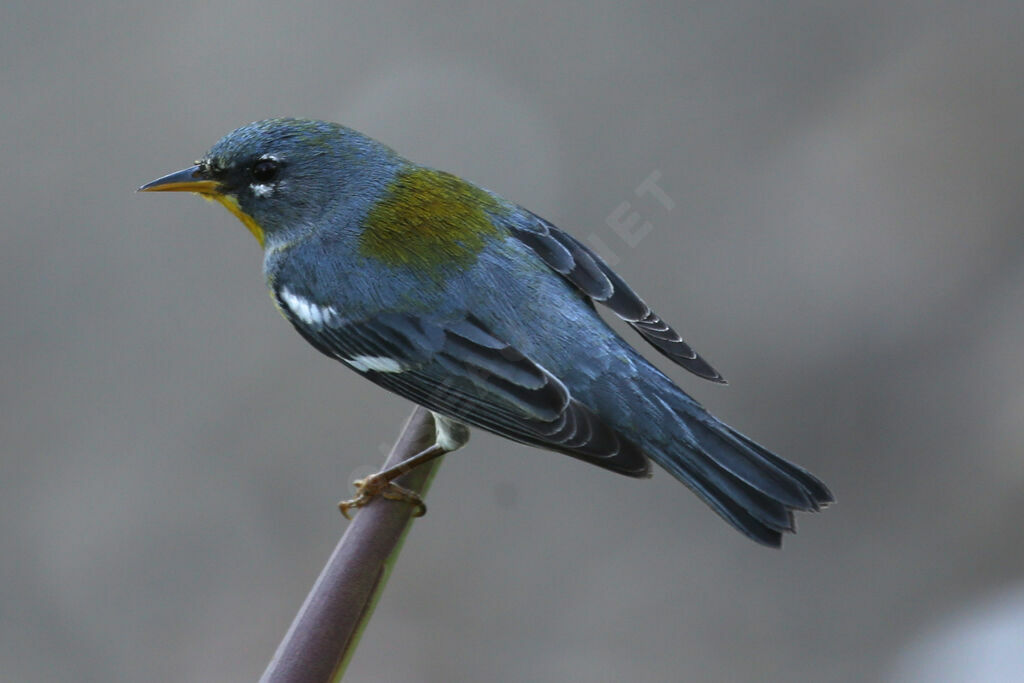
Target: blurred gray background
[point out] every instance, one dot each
(845, 244)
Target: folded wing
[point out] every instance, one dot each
(591, 275)
(459, 369)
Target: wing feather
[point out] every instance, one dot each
(591, 275)
(461, 370)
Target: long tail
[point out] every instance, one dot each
(750, 487)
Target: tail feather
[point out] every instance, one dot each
(745, 459)
(819, 493)
(733, 511)
(720, 481)
(750, 487)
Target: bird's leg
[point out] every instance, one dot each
(451, 435)
(381, 484)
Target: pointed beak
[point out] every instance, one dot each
(192, 179)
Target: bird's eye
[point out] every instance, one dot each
(265, 170)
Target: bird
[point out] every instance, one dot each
(481, 311)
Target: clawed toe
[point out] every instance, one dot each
(372, 486)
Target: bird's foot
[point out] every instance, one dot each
(375, 485)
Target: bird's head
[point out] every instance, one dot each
(280, 176)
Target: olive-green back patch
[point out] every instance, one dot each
(429, 219)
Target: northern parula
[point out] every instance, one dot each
(482, 312)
